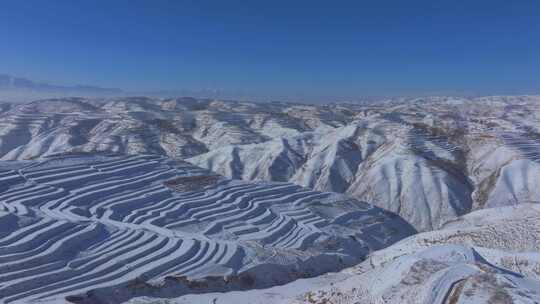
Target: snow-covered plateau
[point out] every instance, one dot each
(149, 200)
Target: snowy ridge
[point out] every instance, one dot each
(76, 224)
(429, 159)
(487, 256)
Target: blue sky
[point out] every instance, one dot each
(315, 49)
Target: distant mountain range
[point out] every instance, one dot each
(19, 87)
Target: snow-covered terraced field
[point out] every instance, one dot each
(421, 141)
(107, 228)
(528, 148)
(487, 256)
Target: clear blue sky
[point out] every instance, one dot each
(277, 48)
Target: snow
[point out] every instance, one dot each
(431, 267)
(88, 202)
(107, 224)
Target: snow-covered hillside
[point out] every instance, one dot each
(428, 159)
(488, 256)
(115, 200)
(104, 229)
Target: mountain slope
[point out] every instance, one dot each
(487, 256)
(104, 229)
(428, 159)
